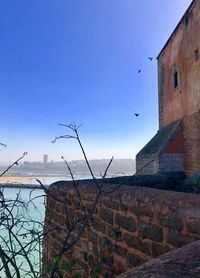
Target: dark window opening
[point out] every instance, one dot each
(196, 54)
(186, 19)
(175, 79)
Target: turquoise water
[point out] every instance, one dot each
(28, 216)
(31, 218)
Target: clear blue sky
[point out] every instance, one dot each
(76, 61)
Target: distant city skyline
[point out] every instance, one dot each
(81, 62)
(41, 160)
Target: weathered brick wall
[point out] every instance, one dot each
(191, 126)
(179, 55)
(131, 226)
(171, 162)
(182, 262)
(160, 163)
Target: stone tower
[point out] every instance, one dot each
(176, 146)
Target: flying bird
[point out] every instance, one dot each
(136, 114)
(150, 59)
(139, 70)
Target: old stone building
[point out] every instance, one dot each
(176, 146)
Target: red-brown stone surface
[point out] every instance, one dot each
(180, 263)
(139, 225)
(179, 54)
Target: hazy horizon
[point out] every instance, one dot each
(4, 163)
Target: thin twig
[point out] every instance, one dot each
(16, 162)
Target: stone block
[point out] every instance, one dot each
(91, 260)
(108, 260)
(158, 249)
(134, 260)
(120, 265)
(171, 222)
(76, 204)
(92, 236)
(125, 222)
(80, 264)
(84, 244)
(119, 250)
(106, 214)
(141, 211)
(113, 204)
(194, 228)
(136, 243)
(96, 252)
(98, 225)
(114, 232)
(123, 207)
(151, 232)
(106, 245)
(177, 239)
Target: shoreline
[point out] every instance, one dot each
(28, 181)
(25, 179)
(19, 185)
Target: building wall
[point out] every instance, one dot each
(147, 164)
(172, 158)
(130, 226)
(179, 54)
(176, 143)
(169, 156)
(171, 162)
(191, 126)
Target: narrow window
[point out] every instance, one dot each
(186, 19)
(196, 54)
(175, 79)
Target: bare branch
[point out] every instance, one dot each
(107, 168)
(4, 145)
(16, 162)
(143, 167)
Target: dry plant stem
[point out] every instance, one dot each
(66, 245)
(2, 144)
(143, 167)
(22, 250)
(13, 221)
(39, 236)
(25, 254)
(74, 128)
(118, 186)
(48, 192)
(75, 183)
(5, 258)
(14, 163)
(107, 168)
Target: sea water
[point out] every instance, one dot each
(35, 198)
(31, 207)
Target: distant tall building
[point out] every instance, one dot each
(45, 158)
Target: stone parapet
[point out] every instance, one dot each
(130, 226)
(182, 262)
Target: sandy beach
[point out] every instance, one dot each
(30, 179)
